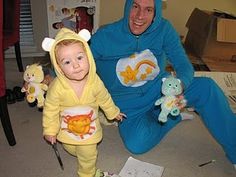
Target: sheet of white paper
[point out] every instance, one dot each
(137, 168)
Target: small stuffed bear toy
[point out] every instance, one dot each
(35, 90)
(171, 87)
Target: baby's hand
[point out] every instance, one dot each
(120, 117)
(51, 139)
(25, 86)
(47, 79)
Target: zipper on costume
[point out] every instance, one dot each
(137, 43)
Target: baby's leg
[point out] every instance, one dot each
(86, 156)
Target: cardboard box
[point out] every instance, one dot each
(210, 35)
(226, 30)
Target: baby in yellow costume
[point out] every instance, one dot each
(70, 113)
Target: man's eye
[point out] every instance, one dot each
(150, 10)
(135, 6)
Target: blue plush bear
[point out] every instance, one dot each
(171, 87)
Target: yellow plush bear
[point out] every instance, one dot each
(35, 89)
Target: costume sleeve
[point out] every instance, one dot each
(176, 55)
(51, 120)
(105, 101)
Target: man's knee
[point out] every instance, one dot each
(135, 148)
(206, 81)
(137, 145)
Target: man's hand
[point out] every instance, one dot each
(180, 102)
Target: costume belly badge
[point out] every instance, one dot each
(79, 126)
(137, 69)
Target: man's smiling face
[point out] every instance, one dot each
(141, 15)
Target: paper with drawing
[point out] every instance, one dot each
(137, 168)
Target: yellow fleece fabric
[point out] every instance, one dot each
(75, 120)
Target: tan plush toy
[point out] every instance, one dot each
(35, 89)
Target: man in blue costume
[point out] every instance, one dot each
(131, 58)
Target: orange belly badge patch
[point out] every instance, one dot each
(79, 126)
(137, 69)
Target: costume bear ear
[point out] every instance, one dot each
(47, 43)
(85, 34)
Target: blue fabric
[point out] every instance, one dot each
(140, 131)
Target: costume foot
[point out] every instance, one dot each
(100, 173)
(162, 119)
(186, 116)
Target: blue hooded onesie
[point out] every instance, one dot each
(132, 67)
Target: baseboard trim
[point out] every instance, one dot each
(35, 54)
(25, 52)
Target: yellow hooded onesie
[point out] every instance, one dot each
(75, 120)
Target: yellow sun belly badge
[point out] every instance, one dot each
(79, 123)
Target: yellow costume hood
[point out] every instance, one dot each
(83, 36)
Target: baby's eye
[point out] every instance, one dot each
(80, 57)
(67, 62)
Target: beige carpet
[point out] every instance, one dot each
(180, 152)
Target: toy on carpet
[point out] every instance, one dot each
(171, 88)
(34, 88)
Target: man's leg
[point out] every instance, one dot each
(210, 102)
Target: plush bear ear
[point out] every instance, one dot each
(179, 80)
(40, 67)
(163, 79)
(85, 34)
(27, 66)
(47, 43)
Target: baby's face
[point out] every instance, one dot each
(73, 61)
